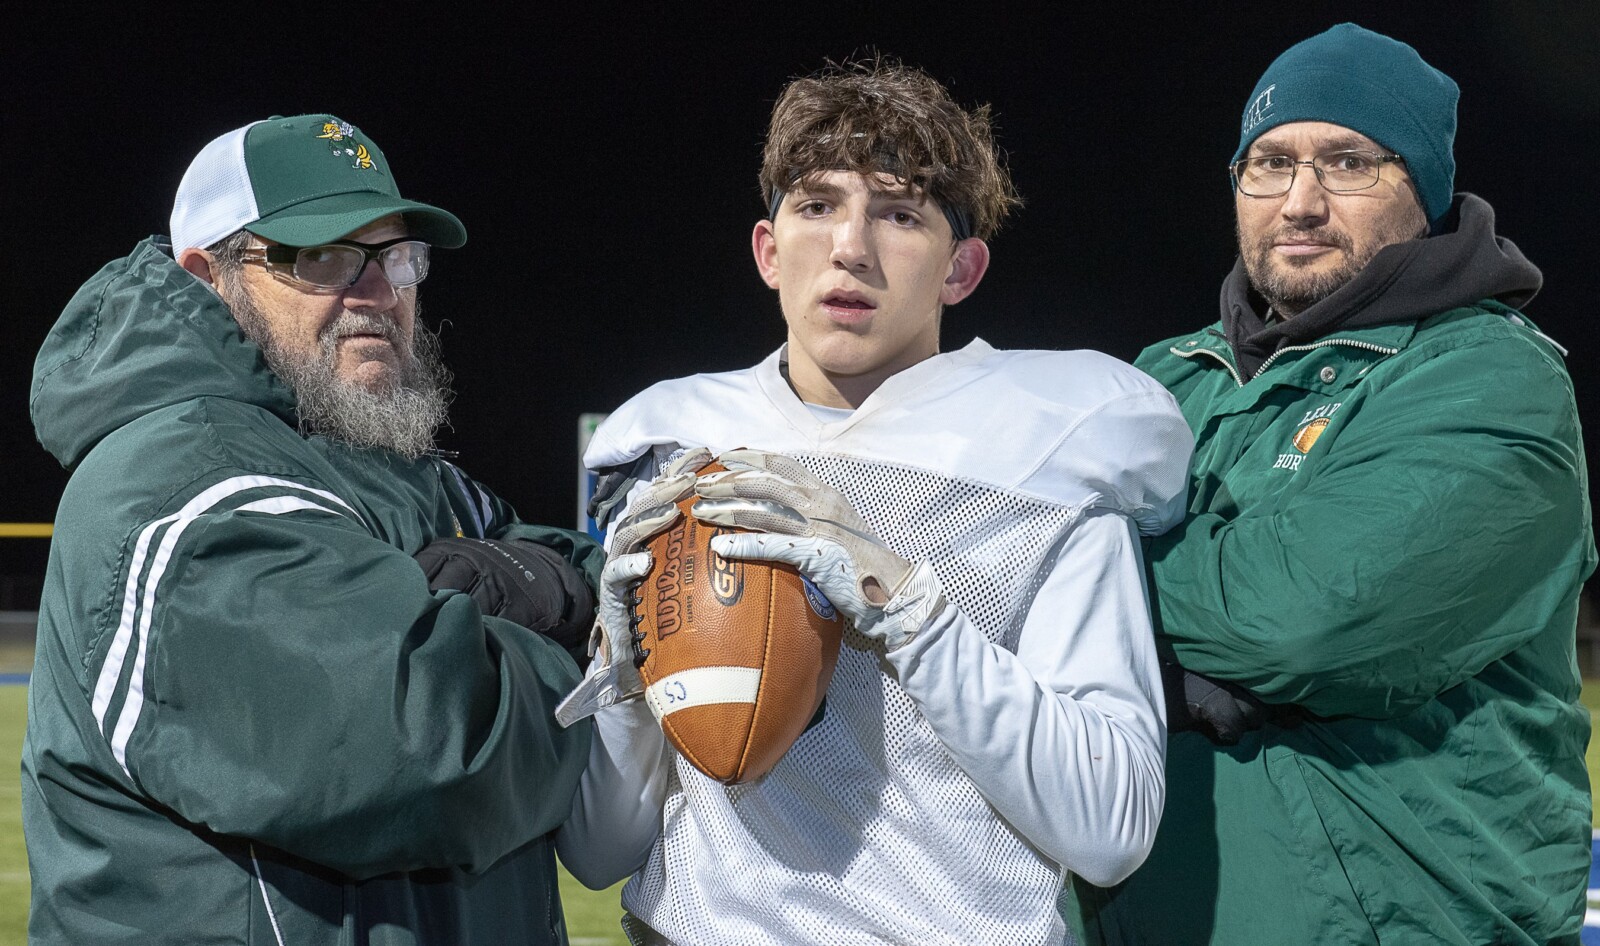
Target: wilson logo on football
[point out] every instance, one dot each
(727, 577)
(668, 585)
(734, 664)
(1306, 436)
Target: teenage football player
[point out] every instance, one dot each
(995, 720)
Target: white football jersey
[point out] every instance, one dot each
(952, 782)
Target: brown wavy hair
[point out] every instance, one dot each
(877, 116)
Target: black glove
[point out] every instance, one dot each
(522, 582)
(1222, 712)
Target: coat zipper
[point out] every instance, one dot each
(1353, 343)
(1206, 351)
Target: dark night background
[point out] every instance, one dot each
(604, 162)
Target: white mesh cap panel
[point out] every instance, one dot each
(867, 831)
(215, 197)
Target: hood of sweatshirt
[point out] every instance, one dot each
(1464, 262)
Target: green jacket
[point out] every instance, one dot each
(1388, 532)
(250, 722)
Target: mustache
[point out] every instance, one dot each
(1314, 234)
(360, 323)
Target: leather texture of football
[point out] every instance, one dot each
(736, 656)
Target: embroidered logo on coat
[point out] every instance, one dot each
(1305, 436)
(342, 134)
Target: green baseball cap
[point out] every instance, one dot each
(301, 181)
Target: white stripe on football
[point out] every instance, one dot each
(701, 686)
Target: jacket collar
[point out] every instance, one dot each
(1465, 263)
(1209, 346)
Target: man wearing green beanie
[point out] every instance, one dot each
(1368, 614)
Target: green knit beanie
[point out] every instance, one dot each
(1368, 83)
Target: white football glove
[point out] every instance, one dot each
(613, 675)
(801, 521)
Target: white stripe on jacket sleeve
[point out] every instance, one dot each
(132, 599)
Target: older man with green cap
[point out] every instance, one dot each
(1369, 611)
(253, 718)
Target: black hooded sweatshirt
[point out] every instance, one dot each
(1462, 263)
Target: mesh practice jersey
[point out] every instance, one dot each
(950, 783)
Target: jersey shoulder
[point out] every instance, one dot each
(1079, 380)
(1112, 431)
(695, 410)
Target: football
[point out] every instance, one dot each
(735, 656)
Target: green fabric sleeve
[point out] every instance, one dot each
(304, 689)
(1418, 552)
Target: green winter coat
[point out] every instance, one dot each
(1389, 528)
(250, 722)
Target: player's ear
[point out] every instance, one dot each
(967, 266)
(765, 247)
(198, 262)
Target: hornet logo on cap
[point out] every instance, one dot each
(339, 131)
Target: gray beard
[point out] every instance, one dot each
(402, 417)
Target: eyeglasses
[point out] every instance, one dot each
(1271, 175)
(338, 265)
